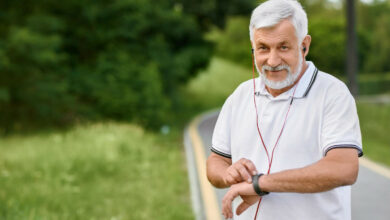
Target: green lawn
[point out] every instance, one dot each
(375, 126)
(96, 171)
(214, 85)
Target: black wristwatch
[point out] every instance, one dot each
(256, 187)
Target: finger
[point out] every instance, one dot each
(244, 173)
(229, 208)
(224, 206)
(225, 209)
(227, 204)
(235, 174)
(241, 208)
(230, 180)
(233, 195)
(225, 214)
(250, 166)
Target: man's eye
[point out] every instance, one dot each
(284, 47)
(262, 48)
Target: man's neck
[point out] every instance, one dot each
(276, 92)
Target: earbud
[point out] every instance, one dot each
(252, 50)
(304, 49)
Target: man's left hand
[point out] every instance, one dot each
(247, 194)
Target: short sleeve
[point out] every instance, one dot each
(221, 136)
(340, 124)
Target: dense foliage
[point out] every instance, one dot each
(127, 59)
(122, 59)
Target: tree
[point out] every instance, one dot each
(352, 64)
(373, 21)
(233, 41)
(209, 13)
(120, 60)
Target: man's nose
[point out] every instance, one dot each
(273, 59)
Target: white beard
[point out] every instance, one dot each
(288, 81)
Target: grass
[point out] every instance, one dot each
(213, 86)
(96, 171)
(375, 127)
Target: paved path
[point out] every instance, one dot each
(370, 194)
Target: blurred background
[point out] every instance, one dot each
(94, 96)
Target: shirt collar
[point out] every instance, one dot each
(303, 87)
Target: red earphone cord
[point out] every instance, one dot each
(258, 128)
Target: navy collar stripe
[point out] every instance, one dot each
(313, 78)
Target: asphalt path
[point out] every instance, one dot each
(370, 193)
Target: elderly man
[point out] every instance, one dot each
(287, 143)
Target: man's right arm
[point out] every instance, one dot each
(222, 173)
(216, 169)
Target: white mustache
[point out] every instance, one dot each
(276, 68)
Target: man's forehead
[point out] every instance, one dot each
(280, 40)
(282, 32)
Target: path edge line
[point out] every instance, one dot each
(375, 167)
(209, 198)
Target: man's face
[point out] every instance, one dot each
(276, 51)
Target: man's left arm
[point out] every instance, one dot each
(339, 167)
(340, 144)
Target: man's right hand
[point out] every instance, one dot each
(246, 192)
(240, 171)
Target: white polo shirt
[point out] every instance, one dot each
(322, 117)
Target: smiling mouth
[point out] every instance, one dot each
(274, 71)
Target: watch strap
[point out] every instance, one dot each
(256, 186)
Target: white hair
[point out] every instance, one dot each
(272, 12)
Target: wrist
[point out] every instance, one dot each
(256, 185)
(263, 183)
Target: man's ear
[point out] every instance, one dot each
(306, 45)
